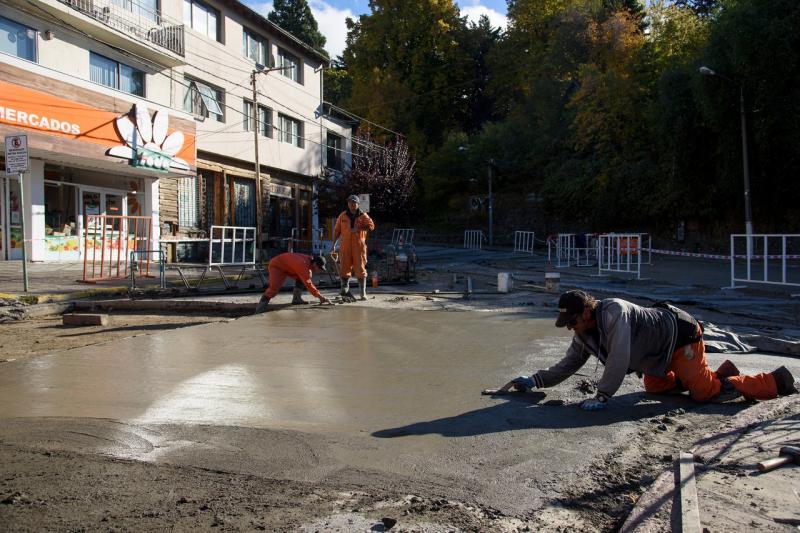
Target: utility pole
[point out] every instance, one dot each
(259, 201)
(260, 69)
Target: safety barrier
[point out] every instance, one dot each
(402, 236)
(232, 246)
(767, 259)
(570, 249)
(228, 246)
(113, 237)
(524, 241)
(619, 253)
(145, 255)
(473, 239)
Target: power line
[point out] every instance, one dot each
(158, 70)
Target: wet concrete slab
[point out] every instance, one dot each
(349, 394)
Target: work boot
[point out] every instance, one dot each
(784, 380)
(262, 305)
(362, 289)
(727, 370)
(297, 296)
(345, 286)
(727, 392)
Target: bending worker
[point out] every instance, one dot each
(299, 267)
(352, 227)
(663, 343)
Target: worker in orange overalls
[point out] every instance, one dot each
(663, 343)
(299, 267)
(352, 227)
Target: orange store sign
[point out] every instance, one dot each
(31, 109)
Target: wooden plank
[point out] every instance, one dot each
(687, 490)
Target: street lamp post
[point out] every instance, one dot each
(490, 173)
(748, 214)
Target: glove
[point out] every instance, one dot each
(593, 404)
(324, 300)
(523, 384)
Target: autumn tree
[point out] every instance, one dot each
(383, 169)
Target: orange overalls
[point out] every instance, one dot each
(353, 244)
(690, 369)
(291, 265)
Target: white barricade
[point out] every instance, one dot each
(620, 253)
(232, 246)
(571, 249)
(564, 244)
(523, 241)
(767, 258)
(473, 239)
(402, 236)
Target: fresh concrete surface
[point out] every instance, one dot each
(385, 397)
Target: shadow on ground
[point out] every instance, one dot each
(529, 412)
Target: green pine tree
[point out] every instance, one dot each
(295, 17)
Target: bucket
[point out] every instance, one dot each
(552, 280)
(504, 282)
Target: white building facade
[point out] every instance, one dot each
(147, 109)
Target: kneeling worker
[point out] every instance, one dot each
(299, 267)
(663, 343)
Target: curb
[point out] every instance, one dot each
(193, 306)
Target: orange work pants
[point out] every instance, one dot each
(277, 277)
(353, 258)
(690, 369)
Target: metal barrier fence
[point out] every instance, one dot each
(768, 258)
(571, 249)
(232, 246)
(402, 236)
(620, 253)
(473, 239)
(115, 236)
(146, 254)
(524, 241)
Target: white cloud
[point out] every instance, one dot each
(331, 21)
(262, 8)
(474, 12)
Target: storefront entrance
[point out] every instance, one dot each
(10, 220)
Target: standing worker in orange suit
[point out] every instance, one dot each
(299, 267)
(352, 227)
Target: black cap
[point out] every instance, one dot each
(570, 304)
(320, 261)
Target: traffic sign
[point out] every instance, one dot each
(17, 154)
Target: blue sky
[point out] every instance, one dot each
(331, 15)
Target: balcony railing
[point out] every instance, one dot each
(134, 20)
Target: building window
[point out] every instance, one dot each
(203, 100)
(290, 65)
(187, 202)
(335, 154)
(17, 40)
(254, 47)
(116, 75)
(291, 130)
(202, 18)
(247, 120)
(265, 121)
(143, 9)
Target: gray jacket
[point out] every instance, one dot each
(632, 339)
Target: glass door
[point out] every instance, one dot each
(15, 238)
